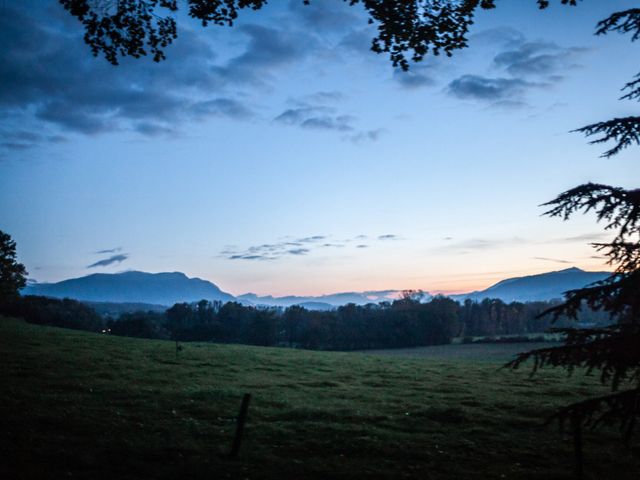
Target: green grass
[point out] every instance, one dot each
(79, 405)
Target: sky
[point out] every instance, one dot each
(281, 156)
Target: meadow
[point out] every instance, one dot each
(83, 405)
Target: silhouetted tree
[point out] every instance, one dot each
(140, 27)
(614, 351)
(12, 273)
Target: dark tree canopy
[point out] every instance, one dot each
(12, 273)
(416, 28)
(614, 351)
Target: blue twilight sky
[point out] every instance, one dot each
(282, 157)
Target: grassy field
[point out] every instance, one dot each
(478, 352)
(78, 405)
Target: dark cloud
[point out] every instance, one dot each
(43, 57)
(555, 260)
(298, 251)
(539, 59)
(109, 261)
(268, 48)
(286, 248)
(250, 257)
(315, 238)
(153, 129)
(323, 117)
(274, 251)
(488, 89)
(108, 250)
(24, 140)
(316, 117)
(523, 66)
(362, 245)
(388, 236)
(224, 107)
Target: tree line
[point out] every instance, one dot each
(406, 322)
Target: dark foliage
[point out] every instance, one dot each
(140, 325)
(614, 350)
(624, 131)
(146, 27)
(403, 323)
(65, 313)
(12, 273)
(627, 21)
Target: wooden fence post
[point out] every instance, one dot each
(242, 417)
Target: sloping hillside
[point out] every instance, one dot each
(78, 405)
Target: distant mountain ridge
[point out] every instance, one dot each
(544, 286)
(166, 289)
(322, 302)
(132, 287)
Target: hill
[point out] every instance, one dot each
(132, 287)
(545, 286)
(79, 405)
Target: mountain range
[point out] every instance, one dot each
(323, 302)
(544, 286)
(132, 287)
(166, 289)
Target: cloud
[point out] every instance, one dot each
(108, 250)
(582, 238)
(522, 66)
(274, 251)
(340, 123)
(223, 107)
(296, 247)
(23, 139)
(538, 59)
(316, 117)
(321, 116)
(315, 238)
(43, 56)
(109, 261)
(475, 87)
(471, 244)
(298, 251)
(556, 260)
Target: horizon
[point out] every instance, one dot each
(266, 294)
(290, 160)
